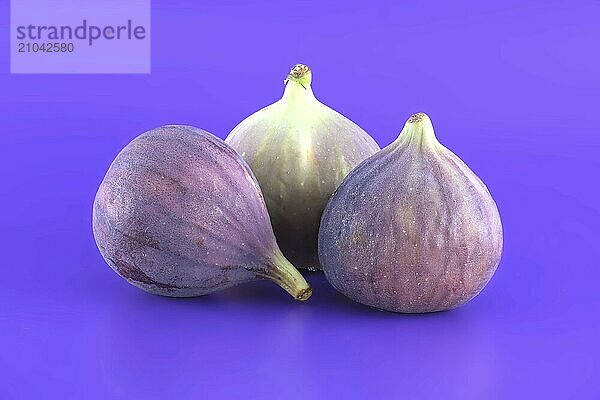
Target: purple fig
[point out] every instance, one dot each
(412, 229)
(180, 214)
(300, 151)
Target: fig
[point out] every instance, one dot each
(300, 150)
(412, 229)
(179, 213)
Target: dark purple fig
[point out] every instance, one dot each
(411, 229)
(180, 214)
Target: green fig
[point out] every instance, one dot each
(300, 150)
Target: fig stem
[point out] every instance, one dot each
(418, 131)
(283, 273)
(300, 74)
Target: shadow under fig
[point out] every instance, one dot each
(264, 293)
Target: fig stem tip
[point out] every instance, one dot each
(300, 74)
(304, 294)
(418, 117)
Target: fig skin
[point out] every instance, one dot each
(412, 229)
(180, 214)
(300, 151)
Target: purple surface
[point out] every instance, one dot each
(512, 88)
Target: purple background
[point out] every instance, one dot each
(512, 88)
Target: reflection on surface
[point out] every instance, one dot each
(256, 333)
